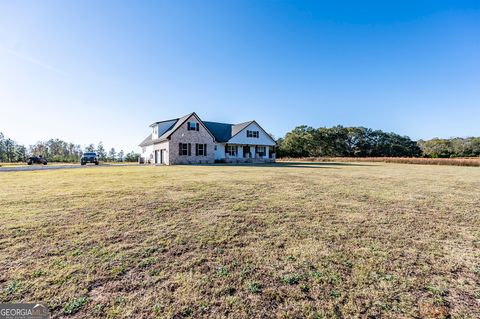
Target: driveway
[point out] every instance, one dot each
(50, 167)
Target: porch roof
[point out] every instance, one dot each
(223, 132)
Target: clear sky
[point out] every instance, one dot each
(89, 71)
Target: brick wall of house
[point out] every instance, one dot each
(183, 135)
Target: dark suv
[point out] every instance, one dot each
(36, 160)
(89, 157)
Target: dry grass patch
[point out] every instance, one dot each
(307, 240)
(457, 161)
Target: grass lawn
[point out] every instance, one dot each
(22, 164)
(306, 240)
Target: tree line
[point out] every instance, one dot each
(302, 141)
(453, 147)
(56, 150)
(339, 141)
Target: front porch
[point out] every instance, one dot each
(237, 153)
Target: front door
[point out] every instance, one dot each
(246, 151)
(156, 157)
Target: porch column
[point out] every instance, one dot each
(267, 150)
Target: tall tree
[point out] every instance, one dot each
(20, 153)
(9, 145)
(90, 148)
(2, 147)
(120, 155)
(132, 157)
(112, 154)
(298, 142)
(345, 141)
(454, 147)
(101, 153)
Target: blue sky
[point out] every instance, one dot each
(86, 71)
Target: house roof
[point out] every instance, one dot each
(222, 132)
(153, 124)
(174, 127)
(178, 122)
(147, 141)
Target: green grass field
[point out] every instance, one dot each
(305, 240)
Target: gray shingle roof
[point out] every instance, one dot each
(174, 127)
(222, 132)
(147, 141)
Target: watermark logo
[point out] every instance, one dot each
(23, 311)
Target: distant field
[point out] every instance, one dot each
(455, 161)
(292, 240)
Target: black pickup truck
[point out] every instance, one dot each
(89, 157)
(36, 160)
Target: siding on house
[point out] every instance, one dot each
(241, 137)
(162, 146)
(148, 154)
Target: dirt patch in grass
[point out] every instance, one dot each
(266, 241)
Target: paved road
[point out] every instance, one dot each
(49, 167)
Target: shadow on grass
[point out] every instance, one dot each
(331, 165)
(316, 164)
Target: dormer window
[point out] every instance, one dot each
(254, 134)
(193, 126)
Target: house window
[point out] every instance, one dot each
(193, 126)
(184, 149)
(261, 151)
(144, 149)
(254, 134)
(201, 149)
(231, 150)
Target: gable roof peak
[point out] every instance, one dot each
(246, 122)
(174, 119)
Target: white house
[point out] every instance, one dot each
(189, 140)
